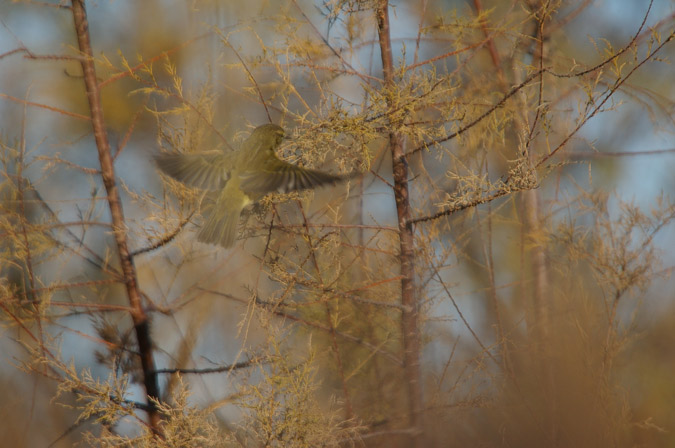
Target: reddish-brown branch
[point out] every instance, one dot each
(44, 106)
(447, 55)
(130, 130)
(410, 306)
(138, 315)
(494, 55)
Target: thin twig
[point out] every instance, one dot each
(221, 369)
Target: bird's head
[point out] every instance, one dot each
(269, 135)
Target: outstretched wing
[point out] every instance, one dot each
(208, 171)
(282, 177)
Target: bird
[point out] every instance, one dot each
(234, 180)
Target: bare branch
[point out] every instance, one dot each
(138, 315)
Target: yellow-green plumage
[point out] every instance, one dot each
(235, 180)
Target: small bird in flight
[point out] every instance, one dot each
(237, 179)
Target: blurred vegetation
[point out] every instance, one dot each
(541, 234)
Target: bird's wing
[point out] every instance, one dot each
(208, 171)
(282, 177)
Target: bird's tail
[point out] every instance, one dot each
(221, 217)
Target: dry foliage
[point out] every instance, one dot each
(477, 282)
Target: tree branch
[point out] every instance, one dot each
(410, 306)
(138, 315)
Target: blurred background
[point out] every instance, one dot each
(189, 76)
